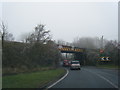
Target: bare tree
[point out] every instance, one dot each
(3, 30)
(24, 37)
(89, 42)
(40, 35)
(62, 42)
(5, 35)
(85, 42)
(111, 50)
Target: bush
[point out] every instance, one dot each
(27, 56)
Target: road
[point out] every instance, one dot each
(90, 77)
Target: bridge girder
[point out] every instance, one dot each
(79, 53)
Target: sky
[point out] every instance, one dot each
(65, 20)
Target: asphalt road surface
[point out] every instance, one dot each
(90, 77)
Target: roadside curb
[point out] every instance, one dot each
(59, 79)
(54, 82)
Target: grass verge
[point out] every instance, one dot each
(110, 66)
(31, 80)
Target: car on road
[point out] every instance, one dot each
(66, 63)
(75, 65)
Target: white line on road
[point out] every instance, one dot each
(105, 79)
(59, 80)
(108, 81)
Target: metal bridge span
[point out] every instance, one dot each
(79, 53)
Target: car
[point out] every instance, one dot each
(66, 63)
(75, 65)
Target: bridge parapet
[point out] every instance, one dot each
(64, 48)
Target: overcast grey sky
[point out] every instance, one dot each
(65, 20)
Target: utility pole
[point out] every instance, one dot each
(101, 49)
(102, 42)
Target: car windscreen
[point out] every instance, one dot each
(75, 63)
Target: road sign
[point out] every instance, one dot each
(101, 50)
(102, 58)
(105, 59)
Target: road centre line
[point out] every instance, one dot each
(59, 79)
(104, 79)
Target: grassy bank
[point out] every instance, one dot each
(31, 80)
(110, 66)
(13, 71)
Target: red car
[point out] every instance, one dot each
(66, 63)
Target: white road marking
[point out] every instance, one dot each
(104, 79)
(59, 80)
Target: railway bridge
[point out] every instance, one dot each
(79, 53)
